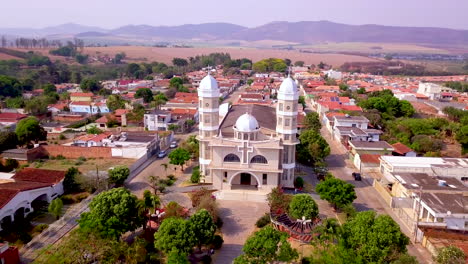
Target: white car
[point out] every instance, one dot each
(173, 144)
(162, 154)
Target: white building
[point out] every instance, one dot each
(334, 74)
(432, 90)
(157, 120)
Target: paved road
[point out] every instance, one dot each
(54, 232)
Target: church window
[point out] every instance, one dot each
(246, 136)
(280, 120)
(207, 104)
(294, 120)
(286, 137)
(287, 122)
(225, 175)
(264, 178)
(259, 159)
(207, 119)
(231, 158)
(288, 107)
(280, 107)
(295, 107)
(285, 155)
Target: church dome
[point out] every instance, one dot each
(288, 86)
(246, 123)
(208, 83)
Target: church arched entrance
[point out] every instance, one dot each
(244, 181)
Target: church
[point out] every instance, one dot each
(247, 147)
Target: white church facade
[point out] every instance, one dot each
(251, 147)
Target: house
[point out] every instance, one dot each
(181, 114)
(81, 97)
(8, 119)
(351, 121)
(442, 167)
(400, 149)
(432, 90)
(91, 140)
(88, 107)
(58, 107)
(20, 193)
(359, 148)
(24, 155)
(157, 120)
(334, 74)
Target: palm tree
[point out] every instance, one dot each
(165, 165)
(154, 183)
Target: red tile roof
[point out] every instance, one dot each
(183, 111)
(39, 175)
(6, 195)
(81, 95)
(11, 117)
(401, 148)
(370, 158)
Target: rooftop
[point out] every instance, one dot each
(265, 115)
(351, 118)
(39, 175)
(426, 162)
(415, 181)
(371, 145)
(401, 148)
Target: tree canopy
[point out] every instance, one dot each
(179, 157)
(175, 234)
(269, 65)
(265, 246)
(312, 121)
(70, 184)
(303, 205)
(111, 214)
(144, 93)
(29, 130)
(115, 102)
(8, 140)
(336, 191)
(450, 255)
(90, 85)
(118, 175)
(375, 238)
(203, 227)
(313, 147)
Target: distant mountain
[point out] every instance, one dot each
(319, 31)
(300, 32)
(188, 31)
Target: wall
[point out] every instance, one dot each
(129, 152)
(383, 192)
(73, 152)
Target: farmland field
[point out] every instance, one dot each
(372, 48)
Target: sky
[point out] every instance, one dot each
(111, 14)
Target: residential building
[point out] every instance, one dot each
(157, 120)
(8, 119)
(432, 90)
(400, 149)
(81, 97)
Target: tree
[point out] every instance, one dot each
(115, 102)
(450, 255)
(176, 257)
(150, 201)
(28, 130)
(192, 145)
(287, 61)
(299, 63)
(55, 207)
(312, 148)
(9, 86)
(179, 157)
(266, 246)
(94, 130)
(144, 93)
(69, 182)
(111, 214)
(462, 137)
(179, 62)
(90, 85)
(8, 140)
(49, 88)
(302, 101)
(406, 259)
(173, 127)
(175, 82)
(195, 178)
(312, 121)
(302, 205)
(299, 182)
(336, 191)
(278, 200)
(375, 238)
(321, 65)
(81, 58)
(119, 57)
(269, 65)
(118, 175)
(175, 233)
(203, 227)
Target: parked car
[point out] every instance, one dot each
(162, 154)
(173, 144)
(357, 176)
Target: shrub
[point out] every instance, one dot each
(263, 221)
(40, 227)
(11, 164)
(299, 182)
(278, 200)
(62, 137)
(60, 157)
(171, 177)
(195, 178)
(81, 196)
(217, 242)
(197, 196)
(68, 199)
(82, 159)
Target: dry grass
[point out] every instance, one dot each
(148, 54)
(374, 48)
(86, 166)
(4, 56)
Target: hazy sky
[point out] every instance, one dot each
(115, 13)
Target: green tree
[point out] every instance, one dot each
(115, 102)
(81, 58)
(336, 191)
(203, 227)
(267, 245)
(55, 207)
(278, 200)
(375, 238)
(118, 175)
(405, 259)
(90, 85)
(49, 88)
(119, 57)
(179, 62)
(312, 148)
(29, 130)
(175, 82)
(269, 65)
(176, 257)
(299, 64)
(462, 138)
(312, 121)
(8, 140)
(302, 205)
(450, 255)
(175, 234)
(9, 86)
(144, 93)
(70, 184)
(195, 178)
(179, 157)
(94, 130)
(111, 214)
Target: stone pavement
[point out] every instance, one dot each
(239, 223)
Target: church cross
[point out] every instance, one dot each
(245, 149)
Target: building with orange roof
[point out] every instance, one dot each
(400, 149)
(81, 97)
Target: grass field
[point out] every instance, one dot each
(372, 48)
(84, 166)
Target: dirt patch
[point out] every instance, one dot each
(83, 165)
